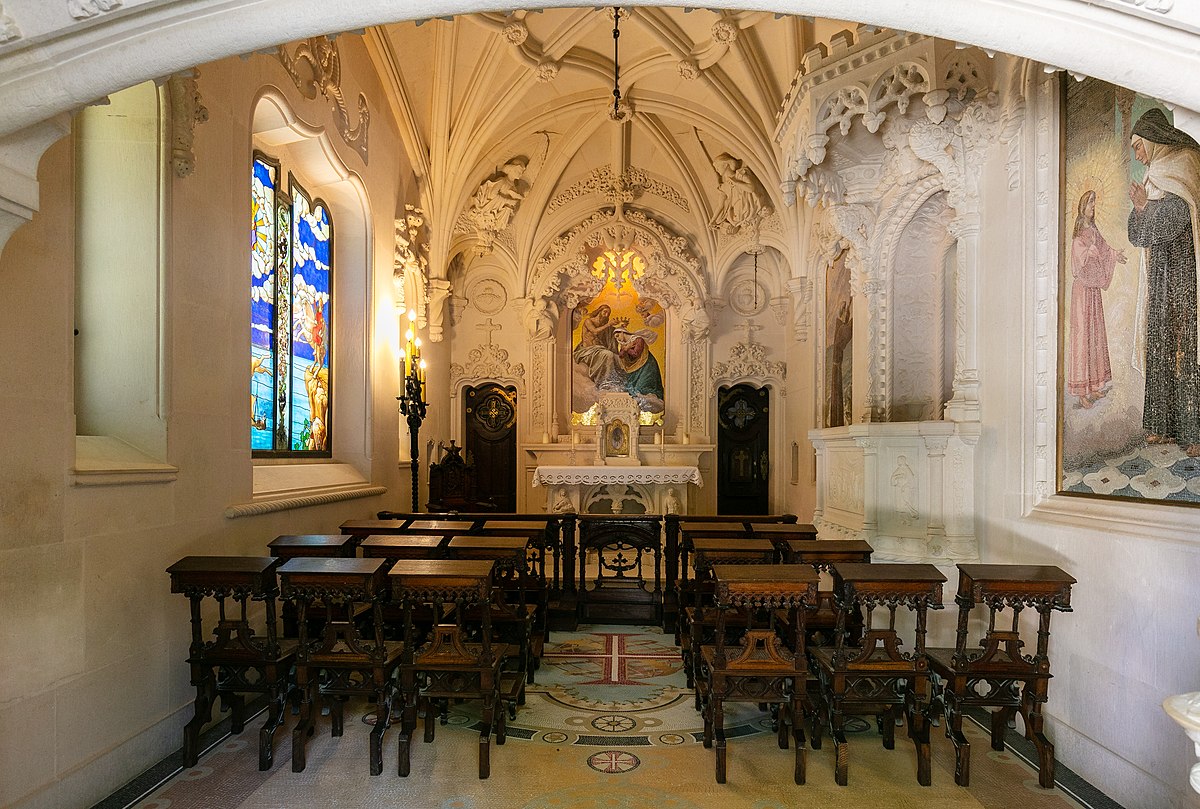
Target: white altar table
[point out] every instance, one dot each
(585, 489)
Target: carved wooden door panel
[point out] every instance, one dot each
(743, 449)
(491, 442)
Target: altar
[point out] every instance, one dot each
(600, 489)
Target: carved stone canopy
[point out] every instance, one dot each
(674, 274)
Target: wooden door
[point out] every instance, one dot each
(491, 443)
(743, 449)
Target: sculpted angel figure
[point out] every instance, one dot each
(496, 200)
(741, 203)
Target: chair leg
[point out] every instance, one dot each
(304, 728)
(797, 711)
(918, 729)
(886, 725)
(962, 745)
(841, 751)
(718, 723)
(781, 726)
(429, 718)
(235, 703)
(1000, 718)
(201, 715)
(337, 716)
(485, 737)
(266, 736)
(1031, 712)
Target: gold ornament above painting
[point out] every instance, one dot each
(1129, 379)
(618, 342)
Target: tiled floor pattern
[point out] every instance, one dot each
(609, 725)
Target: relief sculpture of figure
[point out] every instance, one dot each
(1164, 223)
(1089, 371)
(495, 201)
(741, 203)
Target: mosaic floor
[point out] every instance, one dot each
(1155, 471)
(609, 725)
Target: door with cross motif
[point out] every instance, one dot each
(491, 442)
(743, 449)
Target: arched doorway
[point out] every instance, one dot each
(491, 442)
(743, 449)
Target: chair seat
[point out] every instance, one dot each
(344, 660)
(941, 663)
(822, 658)
(241, 657)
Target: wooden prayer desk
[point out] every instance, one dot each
(764, 668)
(237, 660)
(697, 621)
(622, 588)
(822, 555)
(292, 546)
(448, 667)
(363, 528)
(402, 546)
(518, 595)
(309, 546)
(673, 524)
(1014, 681)
(341, 662)
(781, 535)
(876, 678)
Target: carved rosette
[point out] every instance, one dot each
(488, 362)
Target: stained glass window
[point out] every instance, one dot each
(290, 316)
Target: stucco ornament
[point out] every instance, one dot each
(539, 317)
(1185, 709)
(743, 205)
(495, 202)
(688, 69)
(84, 9)
(316, 67)
(8, 28)
(186, 112)
(410, 266)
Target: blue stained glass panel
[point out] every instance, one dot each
(310, 309)
(262, 304)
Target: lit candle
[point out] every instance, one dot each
(421, 376)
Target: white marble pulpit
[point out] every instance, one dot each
(625, 489)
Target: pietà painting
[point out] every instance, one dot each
(1129, 369)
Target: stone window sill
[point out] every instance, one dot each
(101, 460)
(280, 487)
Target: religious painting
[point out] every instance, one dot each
(618, 343)
(1129, 382)
(618, 439)
(839, 333)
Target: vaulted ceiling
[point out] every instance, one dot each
(475, 91)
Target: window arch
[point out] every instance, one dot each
(291, 314)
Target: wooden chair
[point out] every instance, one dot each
(340, 662)
(698, 614)
(998, 675)
(516, 593)
(877, 678)
(236, 660)
(762, 669)
(822, 556)
(449, 666)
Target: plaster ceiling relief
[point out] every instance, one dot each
(8, 27)
(488, 296)
(315, 66)
(84, 9)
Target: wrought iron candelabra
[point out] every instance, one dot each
(412, 397)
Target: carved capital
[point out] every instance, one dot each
(801, 290)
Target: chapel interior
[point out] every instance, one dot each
(825, 255)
